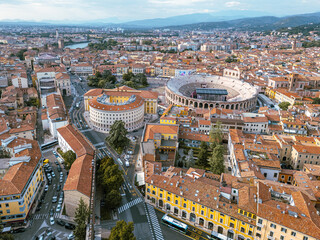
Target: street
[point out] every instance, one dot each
(39, 221)
(133, 208)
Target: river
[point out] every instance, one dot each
(77, 45)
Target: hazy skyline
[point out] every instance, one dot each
(124, 10)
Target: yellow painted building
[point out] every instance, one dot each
(16, 207)
(168, 120)
(122, 93)
(21, 182)
(198, 203)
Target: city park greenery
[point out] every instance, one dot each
(118, 136)
(122, 231)
(106, 45)
(102, 80)
(81, 217)
(33, 101)
(134, 81)
(216, 161)
(209, 156)
(284, 105)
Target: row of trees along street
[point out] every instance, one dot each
(110, 180)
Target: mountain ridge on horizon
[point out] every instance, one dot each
(222, 19)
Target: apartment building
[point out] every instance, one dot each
(203, 202)
(56, 113)
(63, 82)
(22, 178)
(304, 154)
(20, 81)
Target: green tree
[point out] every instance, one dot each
(128, 76)
(122, 231)
(284, 105)
(20, 54)
(203, 155)
(33, 101)
(81, 217)
(6, 236)
(216, 135)
(118, 135)
(112, 177)
(101, 80)
(142, 79)
(113, 199)
(216, 161)
(316, 100)
(69, 158)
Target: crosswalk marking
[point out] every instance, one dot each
(45, 216)
(129, 205)
(155, 223)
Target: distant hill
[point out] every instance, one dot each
(193, 18)
(304, 29)
(242, 20)
(256, 23)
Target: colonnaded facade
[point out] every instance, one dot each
(241, 95)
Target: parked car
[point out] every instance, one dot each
(54, 152)
(48, 232)
(61, 179)
(51, 212)
(46, 188)
(71, 236)
(69, 226)
(60, 200)
(61, 194)
(53, 175)
(58, 209)
(38, 207)
(18, 230)
(54, 199)
(59, 169)
(56, 162)
(51, 220)
(60, 222)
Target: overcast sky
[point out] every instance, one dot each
(142, 9)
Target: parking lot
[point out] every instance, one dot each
(45, 222)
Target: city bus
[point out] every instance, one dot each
(174, 224)
(49, 145)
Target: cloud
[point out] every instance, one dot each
(176, 2)
(232, 4)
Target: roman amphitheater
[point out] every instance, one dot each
(227, 92)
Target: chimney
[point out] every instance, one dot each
(181, 193)
(177, 184)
